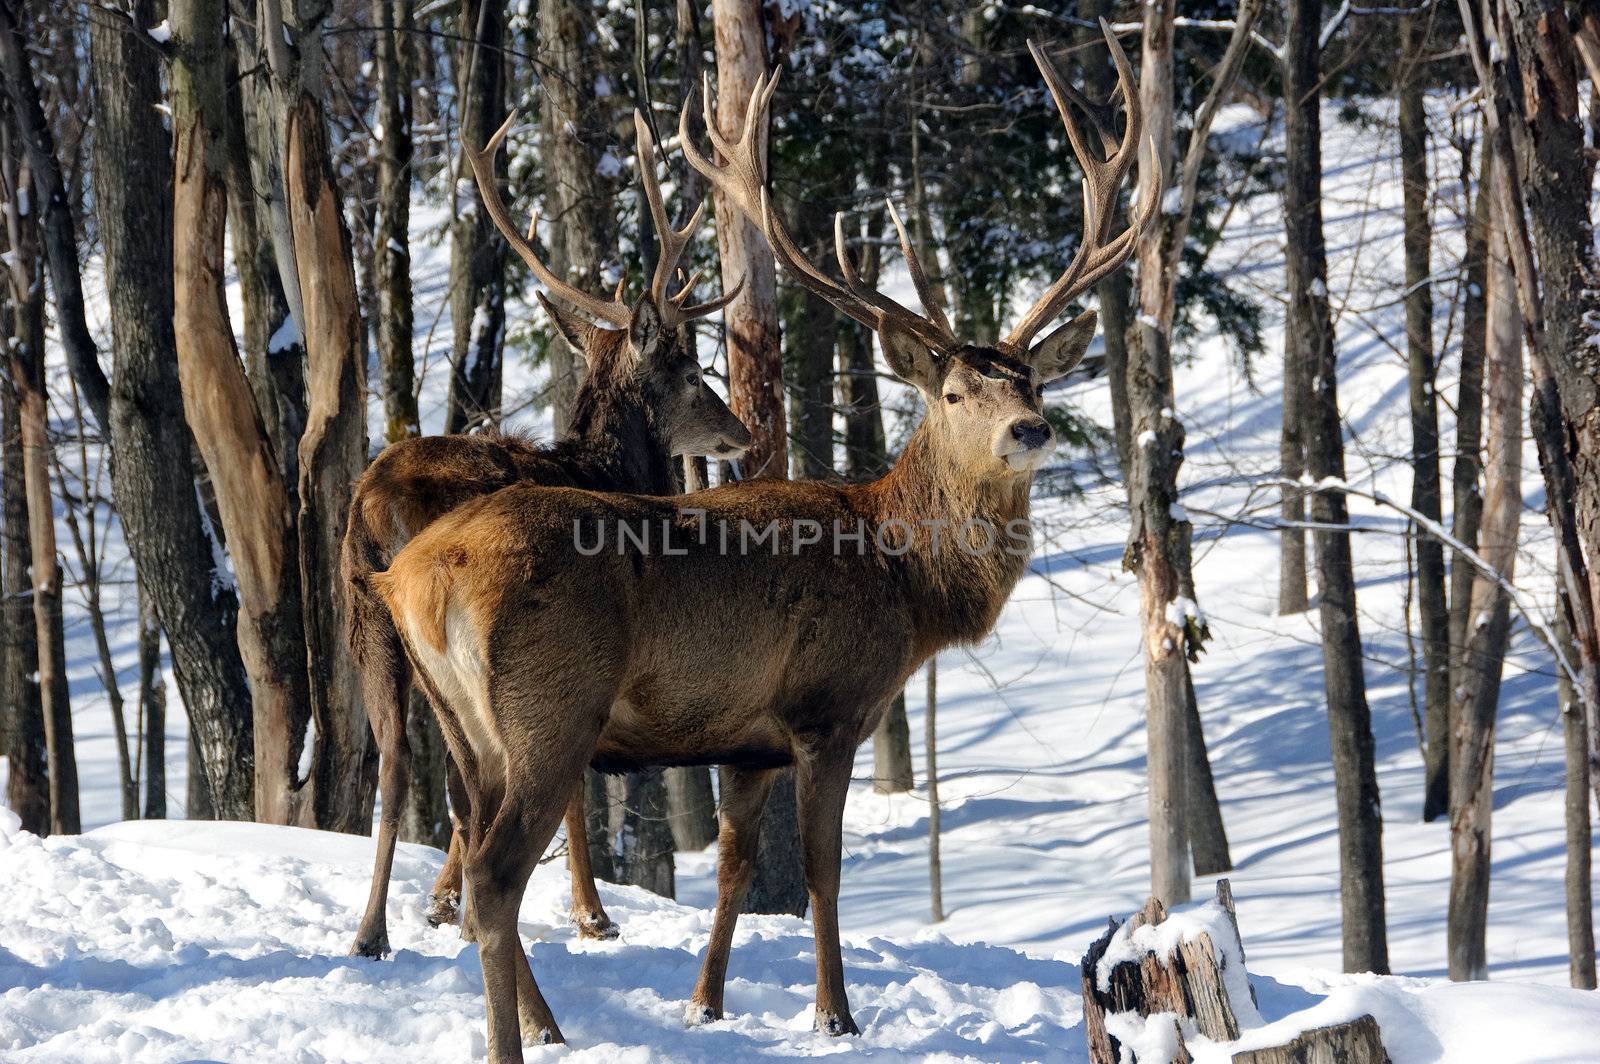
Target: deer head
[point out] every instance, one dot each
(984, 403)
(647, 342)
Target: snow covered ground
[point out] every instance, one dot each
(169, 942)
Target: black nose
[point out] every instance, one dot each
(1031, 434)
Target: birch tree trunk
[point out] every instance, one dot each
(1477, 697)
(1310, 335)
(1426, 496)
(477, 251)
(755, 392)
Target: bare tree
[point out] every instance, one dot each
(333, 449)
(1477, 697)
(27, 770)
(477, 251)
(1310, 335)
(25, 359)
(1426, 495)
(152, 766)
(35, 142)
(755, 392)
(221, 410)
(392, 238)
(931, 740)
(1579, 885)
(574, 122)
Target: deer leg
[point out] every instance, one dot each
(744, 796)
(444, 900)
(587, 912)
(385, 677)
(821, 785)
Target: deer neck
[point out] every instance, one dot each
(958, 593)
(619, 439)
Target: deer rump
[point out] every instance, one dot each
(694, 647)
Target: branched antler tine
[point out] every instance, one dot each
(1097, 255)
(700, 310)
(688, 286)
(482, 163)
(919, 278)
(1130, 102)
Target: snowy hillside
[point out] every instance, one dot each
(169, 942)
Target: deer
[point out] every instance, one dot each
(643, 399)
(557, 629)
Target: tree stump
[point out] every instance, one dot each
(1148, 981)
(1355, 1042)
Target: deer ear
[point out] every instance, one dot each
(646, 329)
(908, 357)
(1058, 353)
(578, 333)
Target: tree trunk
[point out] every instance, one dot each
(1154, 539)
(1483, 656)
(60, 238)
(152, 704)
(1467, 511)
(477, 251)
(574, 124)
(691, 807)
(646, 844)
(221, 410)
(152, 480)
(931, 741)
(274, 351)
(755, 366)
(1310, 335)
(27, 771)
(1426, 496)
(1548, 145)
(343, 774)
(25, 348)
(755, 392)
(392, 236)
(1580, 893)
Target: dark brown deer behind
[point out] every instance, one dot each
(643, 399)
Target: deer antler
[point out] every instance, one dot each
(611, 311)
(742, 178)
(674, 242)
(1099, 253)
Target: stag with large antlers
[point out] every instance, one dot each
(756, 625)
(642, 400)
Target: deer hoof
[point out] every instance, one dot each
(595, 925)
(835, 1025)
(443, 908)
(698, 1015)
(374, 948)
(543, 1036)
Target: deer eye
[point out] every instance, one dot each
(952, 398)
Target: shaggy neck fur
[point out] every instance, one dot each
(613, 434)
(958, 594)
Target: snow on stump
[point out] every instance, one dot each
(1159, 976)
